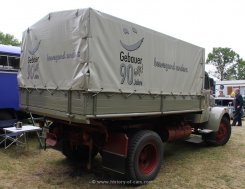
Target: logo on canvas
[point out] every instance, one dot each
(33, 61)
(134, 46)
(131, 67)
(32, 51)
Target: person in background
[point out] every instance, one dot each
(238, 103)
(232, 94)
(221, 94)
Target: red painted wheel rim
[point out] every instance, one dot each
(148, 158)
(222, 132)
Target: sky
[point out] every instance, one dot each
(205, 23)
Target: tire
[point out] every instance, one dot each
(222, 136)
(77, 154)
(145, 154)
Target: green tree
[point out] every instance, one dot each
(241, 70)
(237, 71)
(7, 39)
(224, 59)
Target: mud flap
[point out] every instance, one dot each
(114, 154)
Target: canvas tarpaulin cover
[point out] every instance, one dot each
(92, 51)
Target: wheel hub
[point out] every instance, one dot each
(147, 160)
(222, 132)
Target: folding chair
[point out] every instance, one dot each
(10, 138)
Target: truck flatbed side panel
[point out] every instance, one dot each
(80, 106)
(44, 99)
(174, 103)
(124, 104)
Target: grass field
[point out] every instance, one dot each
(185, 165)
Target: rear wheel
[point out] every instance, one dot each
(145, 154)
(222, 136)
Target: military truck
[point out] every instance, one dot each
(113, 87)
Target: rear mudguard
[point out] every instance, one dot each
(215, 116)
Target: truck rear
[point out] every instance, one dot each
(117, 88)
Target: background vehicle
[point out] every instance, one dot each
(226, 102)
(9, 99)
(117, 88)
